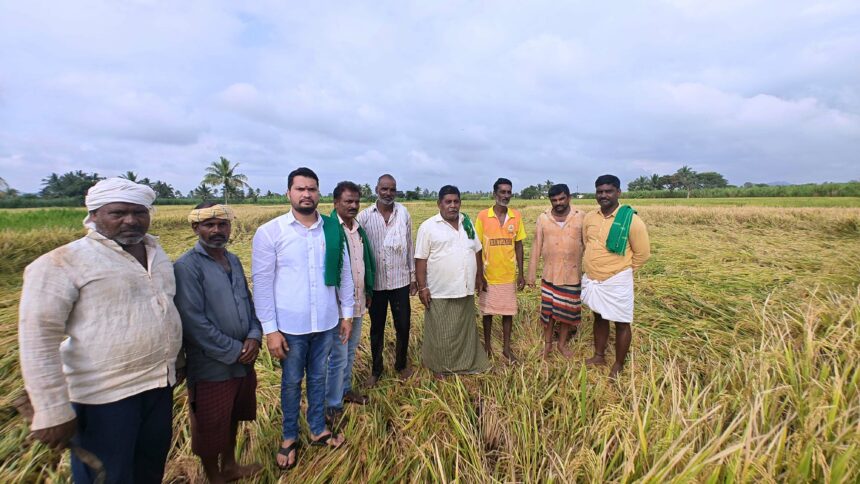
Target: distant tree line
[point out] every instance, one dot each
(685, 179)
(221, 180)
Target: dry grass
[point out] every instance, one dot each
(743, 368)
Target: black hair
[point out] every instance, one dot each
(558, 189)
(501, 181)
(448, 190)
(345, 186)
(608, 180)
(205, 204)
(301, 171)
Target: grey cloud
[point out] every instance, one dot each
(435, 92)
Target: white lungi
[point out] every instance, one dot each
(612, 298)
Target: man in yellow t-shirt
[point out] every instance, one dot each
(501, 232)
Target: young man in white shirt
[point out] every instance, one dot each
(301, 299)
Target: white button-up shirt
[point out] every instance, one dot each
(96, 326)
(450, 255)
(288, 270)
(392, 246)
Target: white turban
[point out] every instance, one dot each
(112, 190)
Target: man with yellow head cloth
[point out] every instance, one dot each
(222, 340)
(99, 336)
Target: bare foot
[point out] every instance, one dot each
(596, 360)
(371, 382)
(236, 472)
(439, 376)
(510, 356)
(564, 350)
(547, 349)
(616, 368)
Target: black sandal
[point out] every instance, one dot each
(286, 451)
(323, 441)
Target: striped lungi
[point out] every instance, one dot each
(498, 300)
(561, 303)
(451, 342)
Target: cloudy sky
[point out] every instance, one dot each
(433, 92)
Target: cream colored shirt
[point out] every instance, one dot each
(598, 262)
(450, 255)
(356, 259)
(560, 245)
(95, 326)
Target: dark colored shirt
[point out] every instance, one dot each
(217, 315)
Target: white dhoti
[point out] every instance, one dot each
(612, 298)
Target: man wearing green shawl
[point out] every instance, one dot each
(347, 196)
(616, 245)
(448, 264)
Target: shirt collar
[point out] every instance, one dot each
(289, 218)
(492, 213)
(200, 249)
(354, 224)
(375, 207)
(438, 218)
(571, 213)
(611, 215)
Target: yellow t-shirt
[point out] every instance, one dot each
(497, 242)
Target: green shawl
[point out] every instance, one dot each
(616, 241)
(468, 227)
(335, 240)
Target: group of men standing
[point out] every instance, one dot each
(314, 277)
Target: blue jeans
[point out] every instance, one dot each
(130, 436)
(339, 376)
(308, 354)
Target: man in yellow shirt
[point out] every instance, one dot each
(501, 232)
(616, 244)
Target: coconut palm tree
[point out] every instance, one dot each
(221, 173)
(202, 191)
(130, 176)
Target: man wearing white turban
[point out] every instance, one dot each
(99, 336)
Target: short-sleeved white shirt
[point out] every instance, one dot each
(450, 255)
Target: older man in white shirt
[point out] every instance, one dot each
(448, 266)
(389, 228)
(298, 290)
(99, 337)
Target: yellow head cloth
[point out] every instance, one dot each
(215, 211)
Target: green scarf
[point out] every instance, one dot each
(334, 242)
(616, 241)
(335, 236)
(468, 227)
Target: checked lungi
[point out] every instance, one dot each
(215, 407)
(561, 303)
